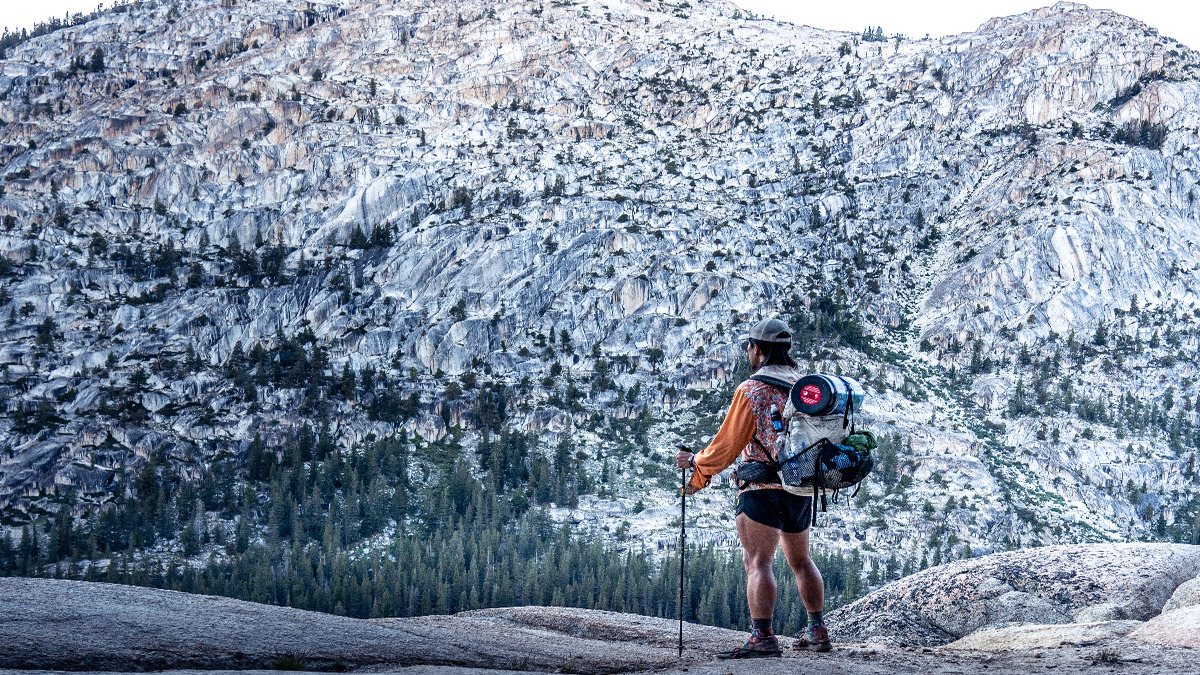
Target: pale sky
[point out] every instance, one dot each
(1179, 19)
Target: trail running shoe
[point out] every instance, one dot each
(758, 646)
(816, 639)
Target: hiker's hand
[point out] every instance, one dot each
(683, 458)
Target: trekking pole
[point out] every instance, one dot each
(682, 540)
(682, 543)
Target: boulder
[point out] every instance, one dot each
(1187, 595)
(430, 427)
(1105, 611)
(1032, 586)
(1177, 628)
(1043, 636)
(154, 401)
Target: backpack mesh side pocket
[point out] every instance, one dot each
(841, 466)
(799, 469)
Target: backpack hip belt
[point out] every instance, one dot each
(756, 472)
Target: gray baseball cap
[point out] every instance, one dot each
(769, 330)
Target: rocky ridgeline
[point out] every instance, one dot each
(70, 625)
(586, 202)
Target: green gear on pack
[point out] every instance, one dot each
(862, 441)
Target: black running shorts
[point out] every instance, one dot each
(776, 508)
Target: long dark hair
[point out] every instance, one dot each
(775, 353)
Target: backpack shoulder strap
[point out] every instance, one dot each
(784, 387)
(767, 451)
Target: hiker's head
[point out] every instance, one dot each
(767, 344)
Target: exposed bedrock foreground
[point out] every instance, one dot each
(1069, 607)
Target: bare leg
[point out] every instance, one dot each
(808, 577)
(758, 552)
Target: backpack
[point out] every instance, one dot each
(820, 453)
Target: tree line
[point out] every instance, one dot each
(306, 525)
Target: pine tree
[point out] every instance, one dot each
(190, 540)
(241, 537)
(96, 63)
(63, 534)
(381, 236)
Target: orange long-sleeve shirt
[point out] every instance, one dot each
(748, 416)
(736, 431)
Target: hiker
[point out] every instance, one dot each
(766, 516)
